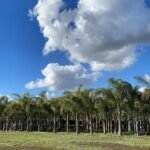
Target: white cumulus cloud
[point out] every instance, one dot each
(101, 33)
(142, 89)
(60, 78)
(147, 78)
(144, 80)
(105, 33)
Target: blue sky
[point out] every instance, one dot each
(22, 59)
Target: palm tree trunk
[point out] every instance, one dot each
(108, 126)
(111, 130)
(47, 124)
(104, 126)
(91, 128)
(30, 124)
(147, 129)
(137, 125)
(7, 122)
(119, 123)
(67, 123)
(27, 127)
(54, 123)
(19, 125)
(14, 125)
(129, 124)
(22, 125)
(96, 124)
(4, 125)
(115, 125)
(87, 122)
(10, 128)
(77, 123)
(38, 125)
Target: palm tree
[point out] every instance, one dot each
(39, 111)
(3, 105)
(106, 108)
(86, 100)
(121, 90)
(42, 109)
(14, 115)
(66, 108)
(55, 107)
(77, 105)
(47, 113)
(145, 105)
(134, 105)
(92, 102)
(119, 107)
(26, 101)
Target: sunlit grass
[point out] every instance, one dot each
(68, 141)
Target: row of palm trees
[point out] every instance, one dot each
(116, 109)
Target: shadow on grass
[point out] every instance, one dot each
(28, 148)
(111, 146)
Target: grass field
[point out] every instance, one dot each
(71, 141)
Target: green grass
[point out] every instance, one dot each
(72, 141)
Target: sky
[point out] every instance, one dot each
(55, 45)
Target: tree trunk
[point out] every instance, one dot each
(11, 126)
(104, 126)
(96, 124)
(30, 124)
(87, 122)
(7, 122)
(38, 125)
(137, 125)
(115, 124)
(14, 125)
(47, 124)
(27, 127)
(59, 124)
(22, 125)
(119, 123)
(19, 125)
(148, 128)
(111, 130)
(4, 125)
(77, 123)
(129, 124)
(67, 122)
(91, 128)
(108, 126)
(54, 123)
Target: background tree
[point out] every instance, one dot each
(121, 90)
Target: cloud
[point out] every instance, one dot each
(103, 34)
(10, 98)
(51, 94)
(142, 89)
(60, 78)
(147, 78)
(144, 80)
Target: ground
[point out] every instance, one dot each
(71, 141)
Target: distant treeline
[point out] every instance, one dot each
(117, 109)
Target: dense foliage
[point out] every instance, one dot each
(119, 108)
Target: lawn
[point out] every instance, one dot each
(71, 141)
